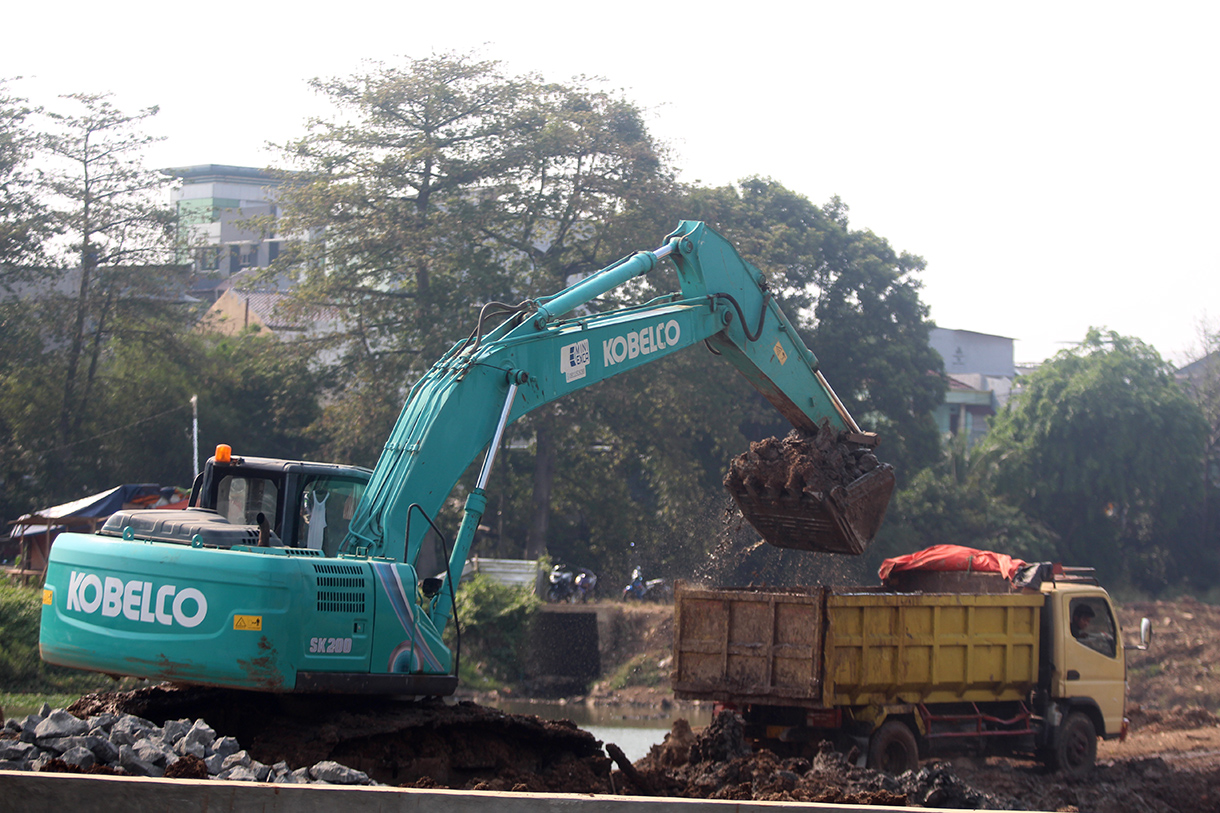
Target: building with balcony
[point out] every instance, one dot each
(228, 216)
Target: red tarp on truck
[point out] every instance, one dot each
(954, 557)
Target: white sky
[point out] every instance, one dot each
(1056, 164)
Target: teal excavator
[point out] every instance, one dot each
(250, 589)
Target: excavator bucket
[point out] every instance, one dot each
(845, 520)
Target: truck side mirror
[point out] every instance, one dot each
(1145, 634)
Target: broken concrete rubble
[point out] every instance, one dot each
(55, 739)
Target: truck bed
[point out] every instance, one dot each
(822, 647)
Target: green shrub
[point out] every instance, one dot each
(648, 669)
(21, 669)
(495, 621)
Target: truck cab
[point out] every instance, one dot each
(1085, 657)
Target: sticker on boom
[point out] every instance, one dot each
(253, 623)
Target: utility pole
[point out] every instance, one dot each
(195, 433)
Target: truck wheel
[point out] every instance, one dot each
(1075, 745)
(893, 748)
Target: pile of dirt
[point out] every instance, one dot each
(1152, 784)
(810, 462)
(1178, 718)
(1171, 762)
(717, 763)
(463, 745)
(1180, 668)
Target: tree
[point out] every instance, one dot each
(1201, 378)
(379, 189)
(952, 502)
(1102, 446)
(585, 168)
(120, 235)
(24, 223)
(444, 184)
(857, 303)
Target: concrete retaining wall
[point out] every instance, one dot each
(72, 793)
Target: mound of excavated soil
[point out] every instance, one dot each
(716, 763)
(460, 746)
(1170, 763)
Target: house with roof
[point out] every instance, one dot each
(980, 372)
(251, 303)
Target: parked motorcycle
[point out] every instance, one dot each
(586, 584)
(564, 586)
(659, 590)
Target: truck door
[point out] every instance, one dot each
(1091, 656)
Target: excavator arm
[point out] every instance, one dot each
(543, 353)
(191, 597)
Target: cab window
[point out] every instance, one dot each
(240, 499)
(327, 507)
(1092, 625)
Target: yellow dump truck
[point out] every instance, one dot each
(964, 661)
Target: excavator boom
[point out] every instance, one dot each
(359, 619)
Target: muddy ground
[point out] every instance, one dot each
(1171, 761)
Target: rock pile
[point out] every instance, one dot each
(53, 740)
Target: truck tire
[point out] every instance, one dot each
(1075, 748)
(893, 748)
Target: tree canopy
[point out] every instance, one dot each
(99, 356)
(1102, 446)
(856, 301)
(952, 502)
(444, 184)
(24, 223)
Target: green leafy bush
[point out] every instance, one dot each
(495, 621)
(647, 669)
(21, 669)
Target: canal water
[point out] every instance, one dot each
(633, 729)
